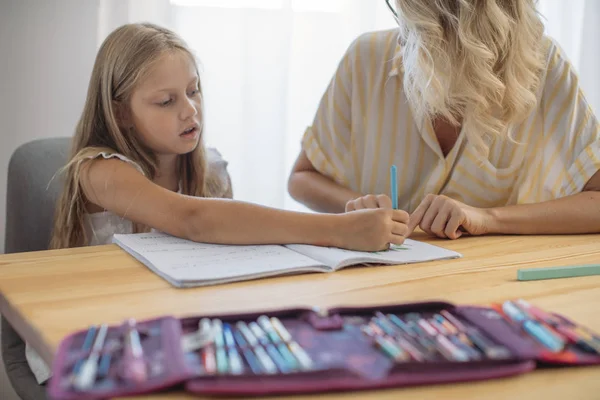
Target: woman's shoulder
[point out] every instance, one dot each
(557, 62)
(381, 45)
(560, 79)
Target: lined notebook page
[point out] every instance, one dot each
(179, 260)
(411, 251)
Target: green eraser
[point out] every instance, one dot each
(533, 274)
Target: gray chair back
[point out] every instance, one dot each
(31, 194)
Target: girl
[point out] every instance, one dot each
(482, 114)
(139, 163)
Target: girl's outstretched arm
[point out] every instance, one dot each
(118, 187)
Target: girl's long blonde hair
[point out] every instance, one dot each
(475, 62)
(124, 58)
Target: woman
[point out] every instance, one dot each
(479, 110)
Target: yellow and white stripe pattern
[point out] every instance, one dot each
(364, 125)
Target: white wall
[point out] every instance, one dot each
(47, 49)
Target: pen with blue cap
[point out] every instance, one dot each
(89, 369)
(250, 357)
(236, 365)
(87, 345)
(535, 329)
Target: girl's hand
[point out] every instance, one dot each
(369, 201)
(373, 229)
(444, 217)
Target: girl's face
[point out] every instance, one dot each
(166, 106)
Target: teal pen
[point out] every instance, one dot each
(288, 356)
(218, 332)
(533, 328)
(89, 369)
(222, 365)
(104, 366)
(220, 352)
(545, 337)
(394, 186)
(87, 345)
(228, 335)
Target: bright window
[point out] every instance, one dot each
(296, 5)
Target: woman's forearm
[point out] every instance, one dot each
(579, 213)
(319, 193)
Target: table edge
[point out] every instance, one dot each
(25, 330)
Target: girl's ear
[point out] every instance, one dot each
(122, 114)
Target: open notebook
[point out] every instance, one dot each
(185, 263)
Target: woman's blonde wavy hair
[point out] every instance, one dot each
(475, 62)
(123, 60)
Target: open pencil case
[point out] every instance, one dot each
(440, 343)
(303, 350)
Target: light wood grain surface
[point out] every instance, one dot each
(49, 294)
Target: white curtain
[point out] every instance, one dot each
(266, 63)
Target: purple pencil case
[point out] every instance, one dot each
(302, 350)
(345, 358)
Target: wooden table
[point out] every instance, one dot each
(49, 294)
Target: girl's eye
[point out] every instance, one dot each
(165, 103)
(194, 92)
